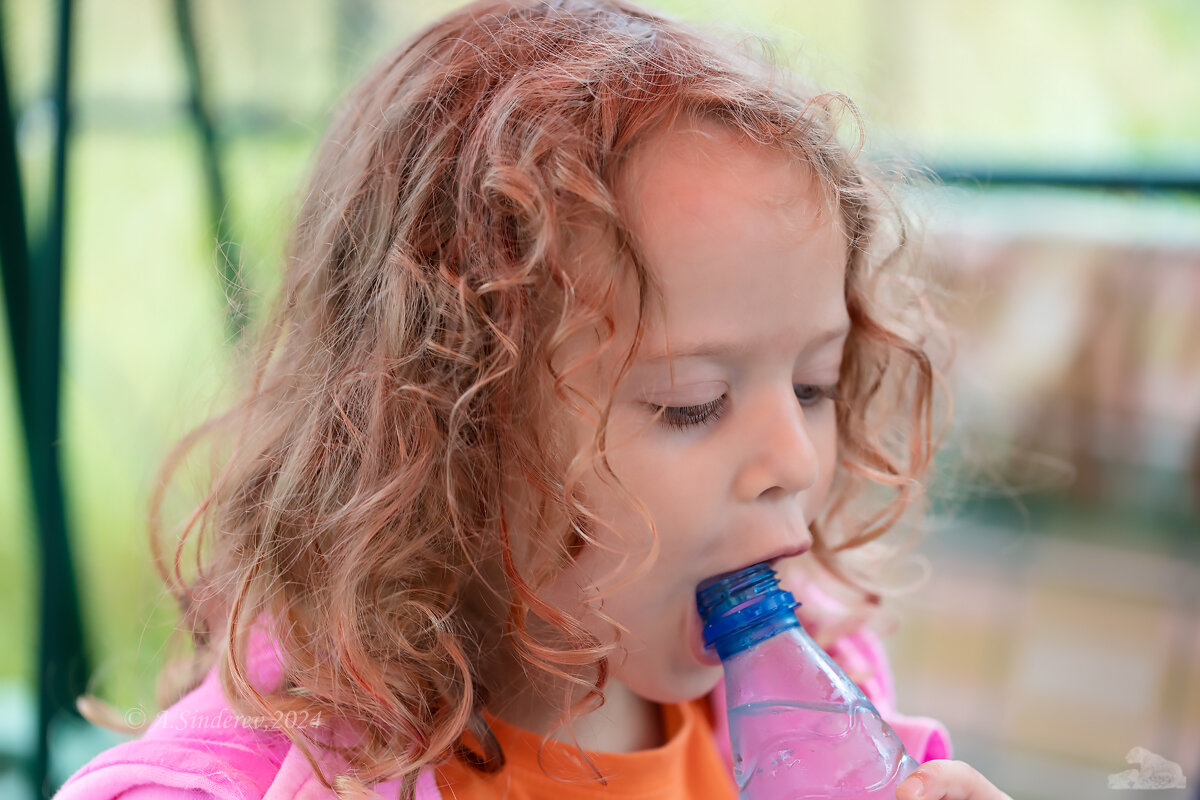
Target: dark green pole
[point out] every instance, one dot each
(62, 667)
(229, 253)
(33, 299)
(14, 246)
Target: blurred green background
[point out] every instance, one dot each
(1078, 372)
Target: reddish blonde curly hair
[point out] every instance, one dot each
(413, 361)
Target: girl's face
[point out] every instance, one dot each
(749, 258)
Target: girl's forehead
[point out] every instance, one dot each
(737, 238)
(702, 203)
(709, 176)
(693, 166)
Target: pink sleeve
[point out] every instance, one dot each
(145, 769)
(163, 793)
(202, 749)
(198, 749)
(861, 656)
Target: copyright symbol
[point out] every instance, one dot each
(135, 718)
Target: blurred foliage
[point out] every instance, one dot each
(1081, 81)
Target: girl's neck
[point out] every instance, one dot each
(626, 723)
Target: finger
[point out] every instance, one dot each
(947, 780)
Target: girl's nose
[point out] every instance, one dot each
(781, 458)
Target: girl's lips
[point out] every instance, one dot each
(696, 639)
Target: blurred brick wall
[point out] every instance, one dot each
(1060, 627)
(1082, 352)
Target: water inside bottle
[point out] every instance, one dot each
(815, 750)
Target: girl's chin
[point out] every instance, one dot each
(678, 687)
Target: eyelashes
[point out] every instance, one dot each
(681, 417)
(684, 417)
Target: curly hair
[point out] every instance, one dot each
(407, 376)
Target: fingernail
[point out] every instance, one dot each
(915, 784)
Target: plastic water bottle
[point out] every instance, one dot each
(799, 727)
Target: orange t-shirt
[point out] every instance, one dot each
(687, 767)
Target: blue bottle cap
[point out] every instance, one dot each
(742, 608)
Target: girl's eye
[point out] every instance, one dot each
(809, 395)
(682, 417)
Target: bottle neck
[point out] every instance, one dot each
(744, 608)
(789, 668)
(732, 644)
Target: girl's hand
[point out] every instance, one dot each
(947, 780)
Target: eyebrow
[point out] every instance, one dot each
(709, 349)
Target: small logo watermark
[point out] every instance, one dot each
(1153, 772)
(136, 719)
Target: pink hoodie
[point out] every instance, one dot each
(200, 749)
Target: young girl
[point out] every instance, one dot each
(581, 309)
